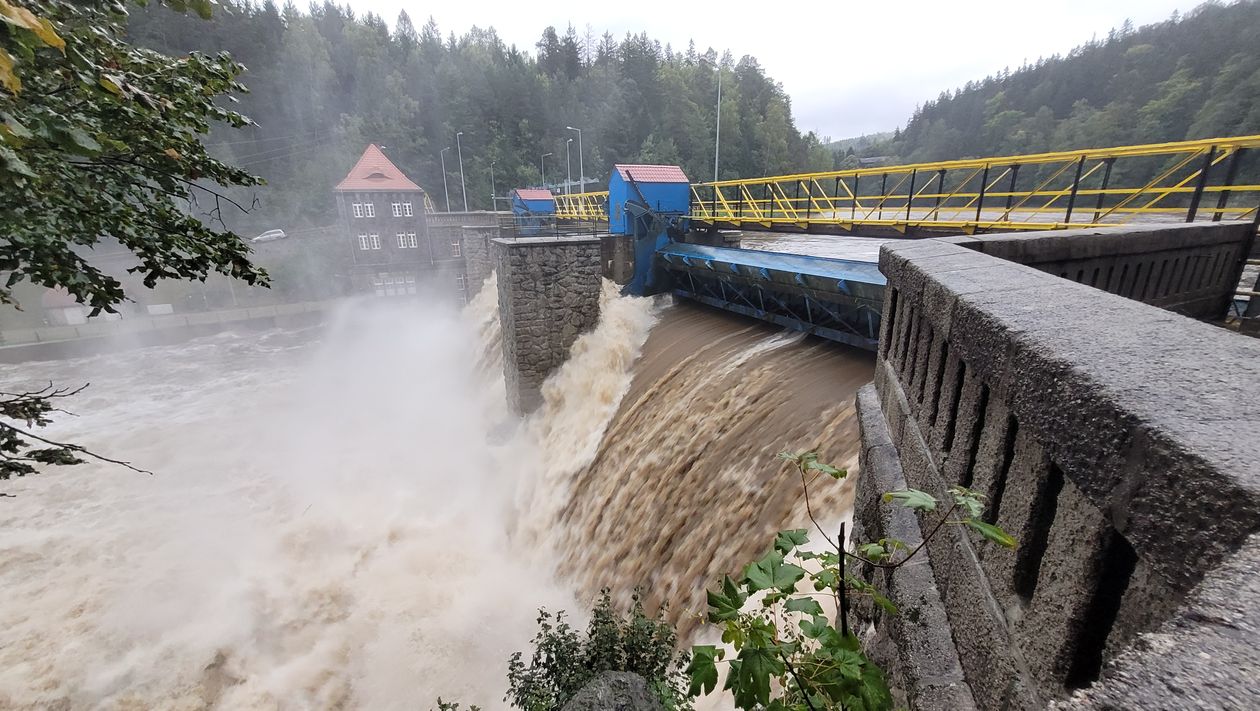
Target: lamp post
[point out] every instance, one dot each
(581, 168)
(442, 154)
(542, 168)
(568, 169)
(493, 206)
(459, 150)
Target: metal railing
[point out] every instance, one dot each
(1182, 181)
(590, 207)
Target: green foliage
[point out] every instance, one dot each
(327, 80)
(563, 661)
(786, 654)
(100, 145)
(1193, 76)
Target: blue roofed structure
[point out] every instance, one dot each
(663, 189)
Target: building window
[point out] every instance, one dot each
(402, 241)
(358, 209)
(460, 282)
(363, 242)
(398, 209)
(375, 240)
(411, 283)
(455, 251)
(412, 241)
(369, 209)
(407, 209)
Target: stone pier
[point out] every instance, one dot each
(475, 240)
(548, 294)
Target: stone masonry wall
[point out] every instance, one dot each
(1192, 269)
(476, 248)
(1117, 442)
(548, 294)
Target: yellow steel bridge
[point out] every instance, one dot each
(1096, 187)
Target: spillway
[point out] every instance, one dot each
(348, 517)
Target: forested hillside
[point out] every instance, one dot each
(1194, 76)
(324, 83)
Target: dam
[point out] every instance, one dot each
(370, 512)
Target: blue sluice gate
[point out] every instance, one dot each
(837, 299)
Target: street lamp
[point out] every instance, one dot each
(460, 151)
(581, 169)
(493, 205)
(442, 155)
(542, 168)
(568, 169)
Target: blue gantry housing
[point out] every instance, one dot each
(663, 189)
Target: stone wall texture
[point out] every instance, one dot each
(476, 248)
(1192, 269)
(548, 294)
(1119, 443)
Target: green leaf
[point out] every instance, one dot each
(703, 669)
(872, 551)
(725, 605)
(833, 472)
(912, 499)
(993, 533)
(967, 500)
(771, 573)
(787, 540)
(806, 605)
(750, 676)
(814, 627)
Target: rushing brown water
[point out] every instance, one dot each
(685, 485)
(347, 517)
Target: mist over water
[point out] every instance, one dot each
(348, 517)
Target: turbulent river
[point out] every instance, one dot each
(348, 517)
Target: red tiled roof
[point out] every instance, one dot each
(652, 173)
(375, 172)
(533, 194)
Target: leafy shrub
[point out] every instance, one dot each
(564, 660)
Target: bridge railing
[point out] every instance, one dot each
(589, 207)
(1210, 179)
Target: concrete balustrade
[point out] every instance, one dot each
(1118, 442)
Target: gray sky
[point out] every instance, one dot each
(850, 68)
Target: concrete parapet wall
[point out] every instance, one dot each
(1117, 443)
(1192, 269)
(548, 294)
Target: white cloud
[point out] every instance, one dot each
(850, 68)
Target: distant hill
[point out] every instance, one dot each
(859, 144)
(1193, 76)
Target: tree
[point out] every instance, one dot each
(100, 144)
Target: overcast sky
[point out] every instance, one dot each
(850, 68)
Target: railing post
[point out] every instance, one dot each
(739, 201)
(1102, 191)
(1230, 174)
(769, 202)
(984, 183)
(1200, 184)
(809, 199)
(853, 208)
(883, 193)
(940, 191)
(910, 193)
(1076, 185)
(1010, 192)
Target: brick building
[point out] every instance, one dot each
(394, 252)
